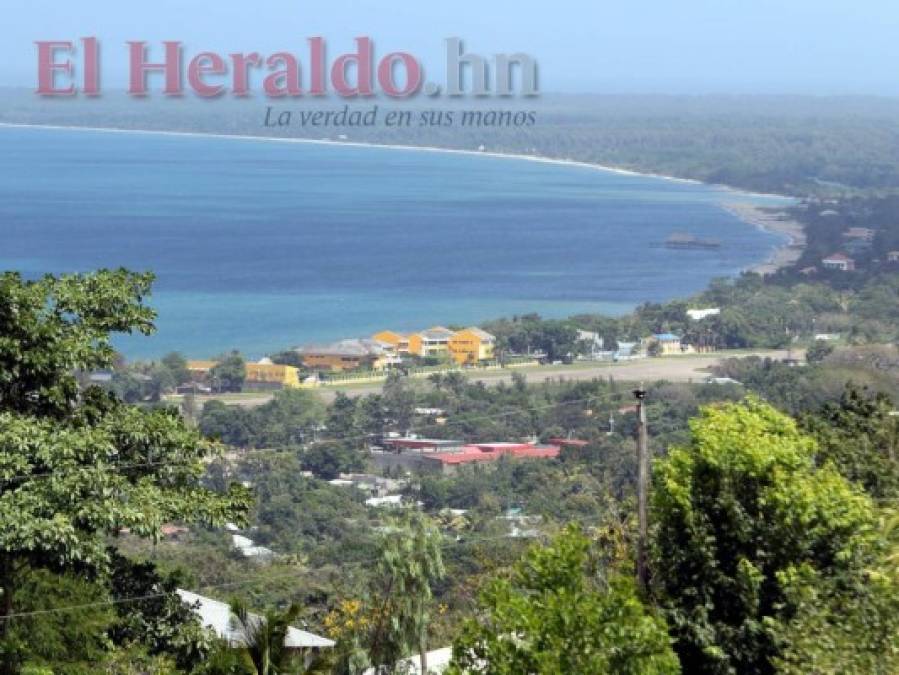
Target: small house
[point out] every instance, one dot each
(838, 261)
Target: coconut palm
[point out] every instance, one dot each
(262, 637)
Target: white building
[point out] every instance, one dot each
(700, 314)
(217, 616)
(438, 661)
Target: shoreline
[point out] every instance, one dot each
(394, 146)
(751, 214)
(765, 218)
(774, 221)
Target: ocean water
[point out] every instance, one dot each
(261, 245)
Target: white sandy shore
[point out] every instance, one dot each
(772, 220)
(749, 213)
(423, 148)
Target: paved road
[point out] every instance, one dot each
(673, 369)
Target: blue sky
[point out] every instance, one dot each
(633, 46)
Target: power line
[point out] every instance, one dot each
(227, 584)
(347, 437)
(248, 580)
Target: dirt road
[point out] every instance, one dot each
(693, 368)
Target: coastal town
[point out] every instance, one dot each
(468, 338)
(431, 351)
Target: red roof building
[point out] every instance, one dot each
(420, 444)
(489, 452)
(569, 442)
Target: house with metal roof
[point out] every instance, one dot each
(217, 617)
(471, 346)
(349, 354)
(669, 343)
(838, 261)
(433, 342)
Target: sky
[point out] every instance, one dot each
(582, 46)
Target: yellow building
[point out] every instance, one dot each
(399, 342)
(353, 354)
(668, 344)
(199, 369)
(433, 342)
(268, 375)
(471, 346)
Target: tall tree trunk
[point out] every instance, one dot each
(423, 644)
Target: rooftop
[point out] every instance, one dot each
(484, 335)
(217, 616)
(360, 347)
(437, 333)
(490, 452)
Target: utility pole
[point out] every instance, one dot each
(642, 487)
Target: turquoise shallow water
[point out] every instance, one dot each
(261, 246)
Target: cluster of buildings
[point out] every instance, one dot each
(469, 346)
(387, 348)
(857, 242)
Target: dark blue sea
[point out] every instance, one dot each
(262, 245)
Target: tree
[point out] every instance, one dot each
(341, 417)
(329, 459)
(176, 364)
(744, 518)
(263, 637)
(158, 620)
(409, 564)
(398, 399)
(68, 642)
(78, 467)
(818, 351)
(229, 373)
(291, 417)
(858, 434)
(233, 425)
(558, 612)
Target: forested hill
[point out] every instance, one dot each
(787, 144)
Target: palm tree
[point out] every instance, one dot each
(263, 637)
(410, 563)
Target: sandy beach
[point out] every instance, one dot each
(778, 222)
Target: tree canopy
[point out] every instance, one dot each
(744, 518)
(79, 466)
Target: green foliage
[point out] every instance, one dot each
(819, 351)
(559, 613)
(742, 514)
(229, 373)
(56, 326)
(409, 564)
(329, 459)
(78, 467)
(530, 333)
(264, 636)
(290, 418)
(846, 625)
(176, 365)
(68, 642)
(861, 438)
(306, 517)
(806, 389)
(159, 621)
